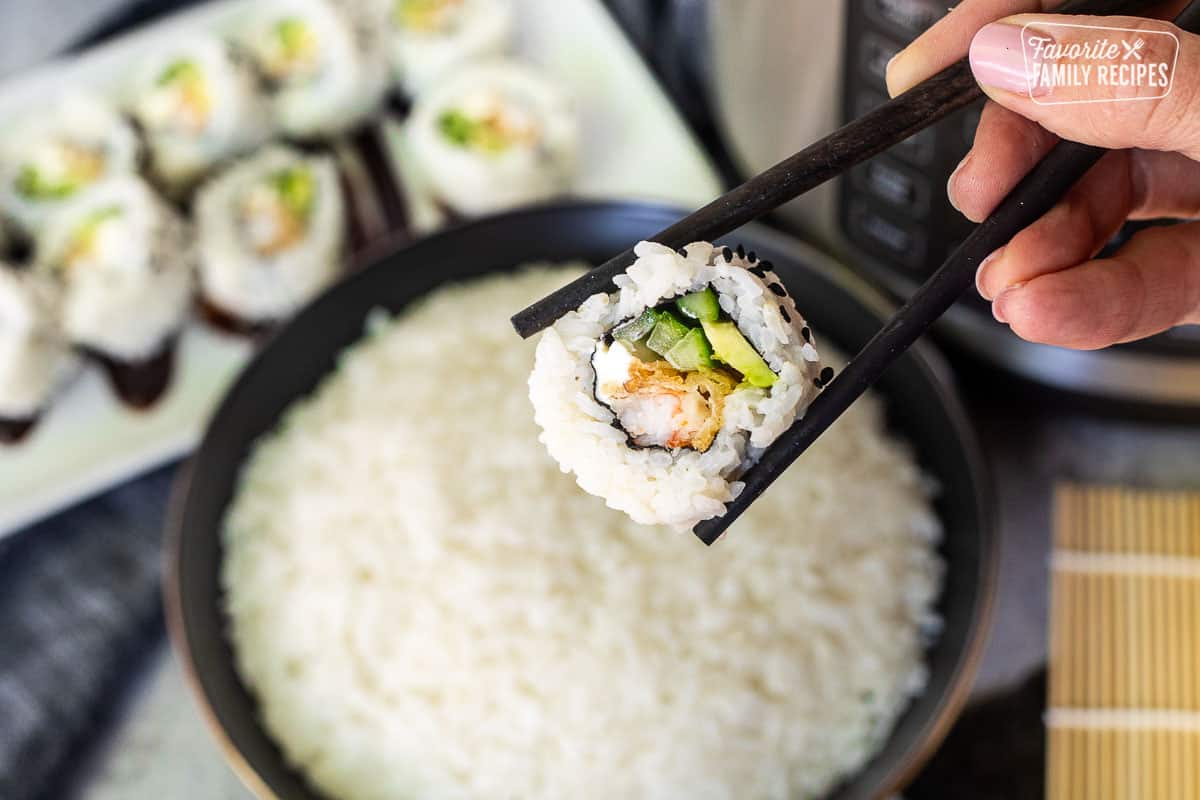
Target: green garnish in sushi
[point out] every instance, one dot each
(296, 189)
(423, 15)
(637, 328)
(730, 347)
(473, 134)
(694, 349)
(691, 353)
(71, 167)
(294, 49)
(83, 238)
(194, 102)
(702, 305)
(667, 331)
(182, 71)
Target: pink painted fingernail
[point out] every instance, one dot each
(1002, 300)
(980, 278)
(998, 60)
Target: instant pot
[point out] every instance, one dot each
(783, 74)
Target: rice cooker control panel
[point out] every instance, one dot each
(894, 207)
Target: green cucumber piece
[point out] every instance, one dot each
(667, 331)
(731, 347)
(642, 353)
(691, 353)
(702, 305)
(637, 328)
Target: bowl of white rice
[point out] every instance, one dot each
(382, 586)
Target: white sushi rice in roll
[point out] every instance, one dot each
(35, 358)
(54, 153)
(495, 135)
(198, 105)
(125, 261)
(325, 65)
(271, 233)
(427, 38)
(659, 413)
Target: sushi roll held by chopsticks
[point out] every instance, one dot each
(271, 233)
(124, 262)
(659, 395)
(197, 104)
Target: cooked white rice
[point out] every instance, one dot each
(426, 607)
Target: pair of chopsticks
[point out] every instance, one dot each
(894, 121)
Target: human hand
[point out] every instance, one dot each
(1046, 283)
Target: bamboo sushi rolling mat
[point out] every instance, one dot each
(1123, 712)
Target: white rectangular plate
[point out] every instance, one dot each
(633, 146)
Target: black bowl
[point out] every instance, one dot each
(923, 407)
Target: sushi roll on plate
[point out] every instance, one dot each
(51, 155)
(324, 65)
(197, 104)
(429, 37)
(494, 135)
(124, 261)
(660, 395)
(271, 232)
(35, 358)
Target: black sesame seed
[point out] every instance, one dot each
(767, 264)
(786, 316)
(683, 252)
(728, 254)
(759, 271)
(817, 383)
(806, 333)
(741, 251)
(827, 375)
(751, 257)
(777, 289)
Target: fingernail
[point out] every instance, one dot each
(1002, 300)
(950, 187)
(980, 278)
(887, 73)
(998, 60)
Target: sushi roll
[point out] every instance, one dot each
(124, 261)
(429, 37)
(35, 358)
(324, 65)
(271, 232)
(52, 155)
(197, 104)
(660, 395)
(494, 135)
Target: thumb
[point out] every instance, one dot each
(1114, 82)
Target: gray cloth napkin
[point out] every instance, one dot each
(79, 601)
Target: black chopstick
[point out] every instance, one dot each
(891, 123)
(1036, 194)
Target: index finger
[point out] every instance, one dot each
(949, 39)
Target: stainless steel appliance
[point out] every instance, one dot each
(785, 72)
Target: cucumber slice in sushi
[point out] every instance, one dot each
(702, 305)
(691, 353)
(667, 331)
(637, 328)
